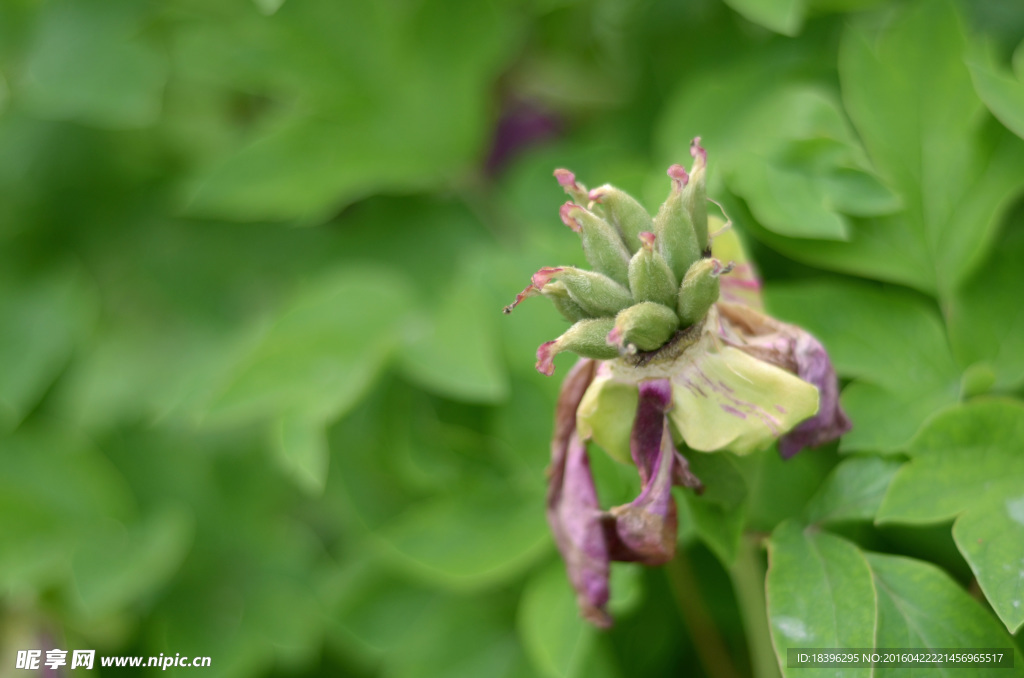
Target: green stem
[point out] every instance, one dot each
(711, 649)
(748, 580)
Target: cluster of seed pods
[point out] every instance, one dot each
(651, 277)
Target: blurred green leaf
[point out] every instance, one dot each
(781, 16)
(853, 491)
(44, 319)
(56, 490)
(301, 448)
(967, 464)
(986, 322)
(917, 114)
(1002, 92)
(554, 636)
(323, 349)
(91, 63)
(370, 99)
(454, 351)
(120, 565)
(891, 342)
(719, 514)
(439, 503)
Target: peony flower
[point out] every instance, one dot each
(676, 352)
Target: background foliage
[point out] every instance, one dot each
(258, 402)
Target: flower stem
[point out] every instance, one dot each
(748, 580)
(711, 649)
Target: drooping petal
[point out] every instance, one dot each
(813, 365)
(572, 505)
(798, 352)
(644, 530)
(725, 398)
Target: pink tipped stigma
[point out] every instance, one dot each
(700, 156)
(544, 276)
(678, 175)
(545, 358)
(567, 213)
(596, 194)
(566, 179)
(647, 239)
(539, 280)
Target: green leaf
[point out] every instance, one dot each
(853, 491)
(820, 593)
(89, 63)
(967, 464)
(789, 202)
(117, 566)
(823, 591)
(719, 514)
(301, 450)
(322, 351)
(1001, 91)
(891, 342)
(438, 499)
(554, 636)
(919, 605)
(362, 100)
(781, 16)
(917, 114)
(986, 320)
(454, 351)
(44, 319)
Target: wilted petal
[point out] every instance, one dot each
(727, 399)
(813, 365)
(576, 520)
(798, 352)
(572, 505)
(645, 529)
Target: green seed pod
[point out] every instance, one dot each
(623, 212)
(602, 244)
(650, 278)
(698, 291)
(559, 296)
(598, 295)
(695, 196)
(645, 326)
(576, 190)
(674, 228)
(587, 338)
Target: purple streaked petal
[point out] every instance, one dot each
(799, 352)
(645, 441)
(572, 505)
(813, 366)
(645, 529)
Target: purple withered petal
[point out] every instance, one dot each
(645, 529)
(572, 505)
(797, 351)
(813, 366)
